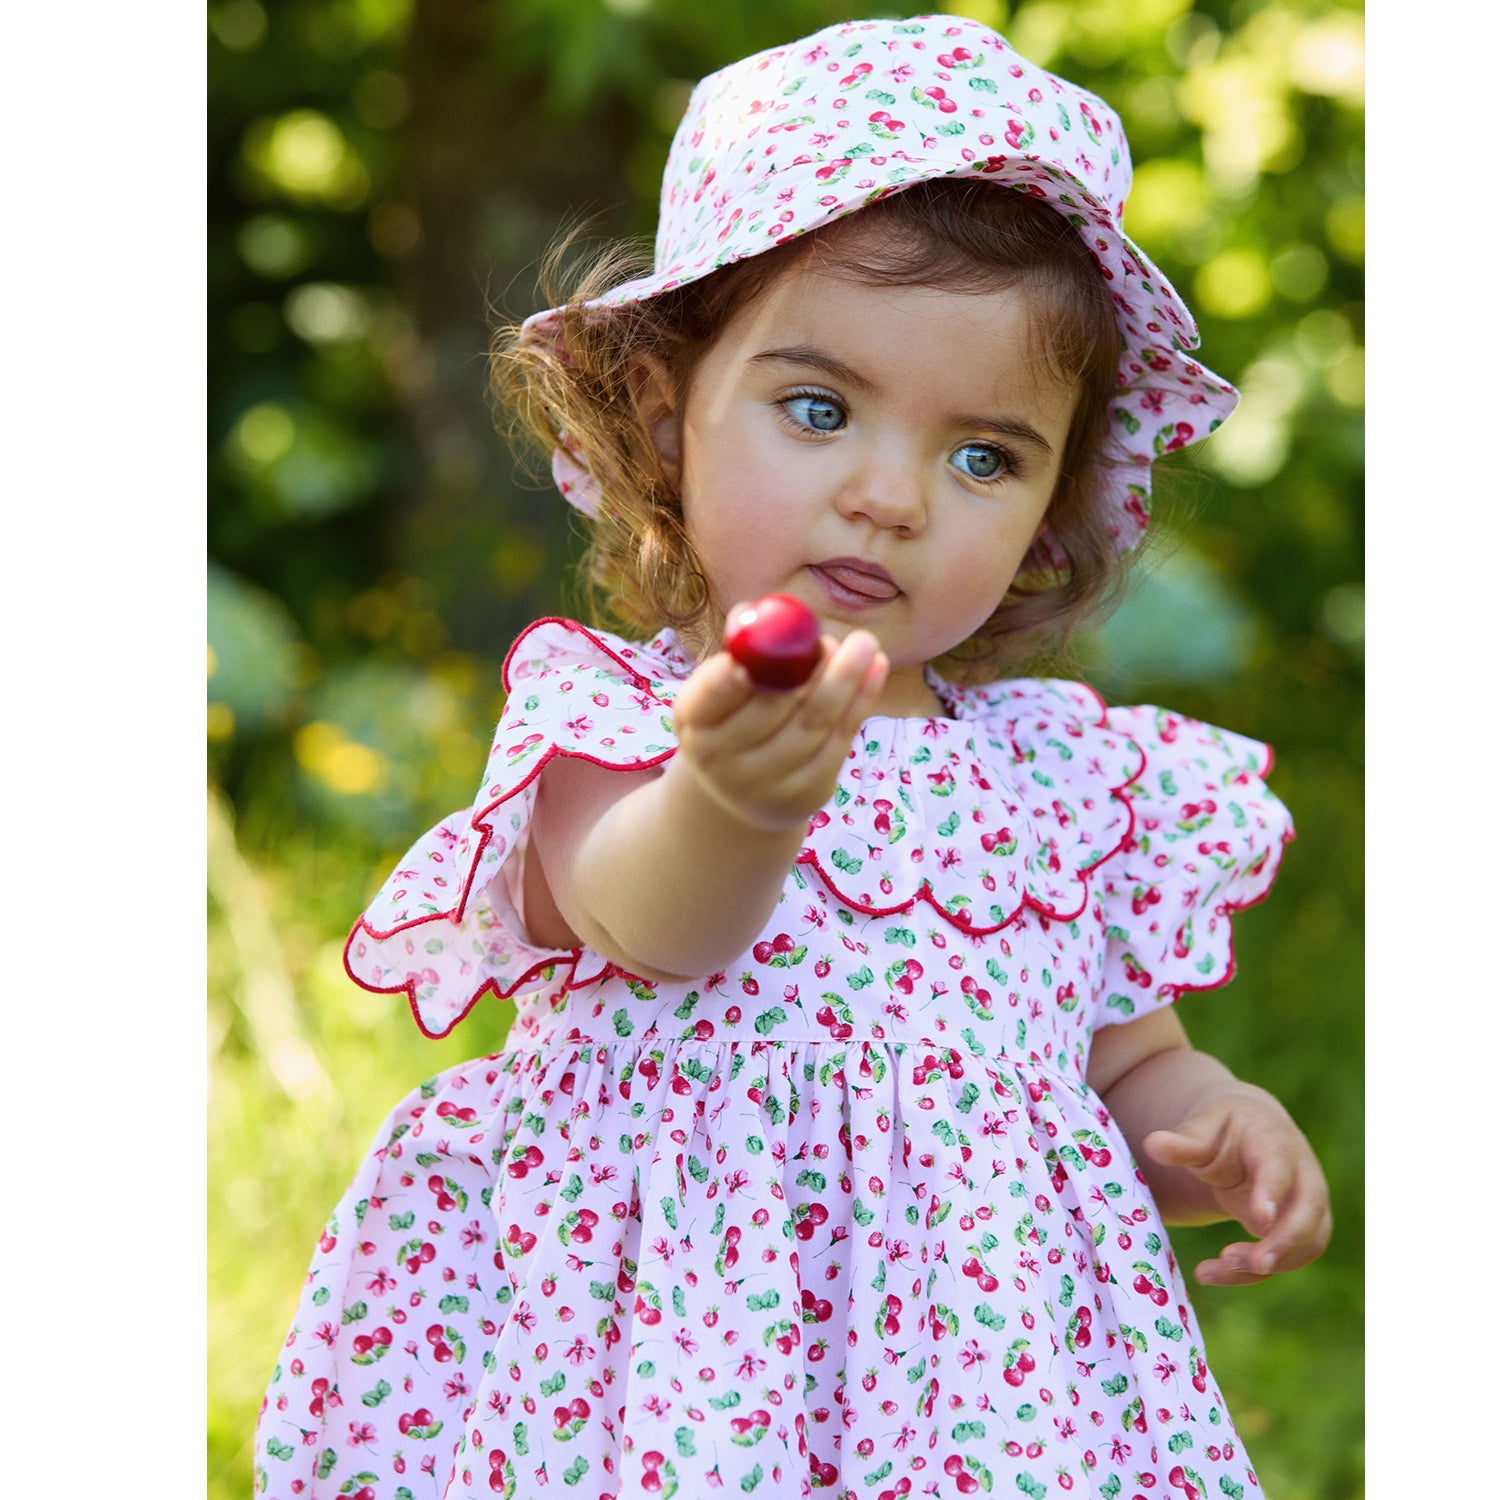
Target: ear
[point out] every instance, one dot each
(655, 395)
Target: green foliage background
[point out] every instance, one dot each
(384, 176)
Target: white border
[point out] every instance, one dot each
(102, 263)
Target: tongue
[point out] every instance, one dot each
(858, 582)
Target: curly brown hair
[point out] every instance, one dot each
(580, 386)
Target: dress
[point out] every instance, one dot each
(844, 1216)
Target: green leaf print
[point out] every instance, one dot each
(669, 1212)
(320, 1296)
(1179, 1442)
(752, 1479)
(787, 960)
(453, 1303)
(865, 976)
(554, 1383)
(815, 1180)
(761, 1301)
(277, 1449)
(876, 1475)
(1230, 1488)
(903, 936)
(602, 1291)
(377, 1394)
(354, 1312)
(1168, 1329)
(863, 1216)
(576, 1470)
(327, 1463)
(622, 1022)
(573, 1189)
(768, 1019)
(726, 1402)
(847, 862)
(697, 1170)
(683, 1437)
(1116, 1385)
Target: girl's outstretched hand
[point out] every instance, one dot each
(772, 758)
(1259, 1169)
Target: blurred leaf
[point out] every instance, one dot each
(1179, 622)
(253, 646)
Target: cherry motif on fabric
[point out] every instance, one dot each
(845, 1216)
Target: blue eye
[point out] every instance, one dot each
(821, 413)
(982, 460)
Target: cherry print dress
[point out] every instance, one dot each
(843, 1217)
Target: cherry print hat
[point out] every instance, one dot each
(795, 137)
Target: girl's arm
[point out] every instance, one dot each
(672, 875)
(1212, 1147)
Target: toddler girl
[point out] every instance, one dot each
(845, 1102)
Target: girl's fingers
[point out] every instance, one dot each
(1301, 1233)
(1235, 1265)
(719, 688)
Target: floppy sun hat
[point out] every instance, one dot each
(797, 136)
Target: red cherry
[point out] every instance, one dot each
(776, 640)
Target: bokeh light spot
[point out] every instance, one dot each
(341, 764)
(1344, 224)
(987, 12)
(1234, 284)
(274, 245)
(265, 433)
(1328, 58)
(1342, 617)
(305, 156)
(1345, 378)
(1252, 446)
(322, 312)
(220, 722)
(1037, 31)
(1168, 198)
(1299, 272)
(239, 25)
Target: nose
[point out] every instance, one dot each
(886, 491)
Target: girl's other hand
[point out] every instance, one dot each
(1259, 1169)
(772, 758)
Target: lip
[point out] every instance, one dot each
(853, 582)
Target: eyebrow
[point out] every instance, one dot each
(810, 358)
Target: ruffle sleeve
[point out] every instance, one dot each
(1206, 841)
(444, 928)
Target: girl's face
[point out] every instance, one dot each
(885, 454)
